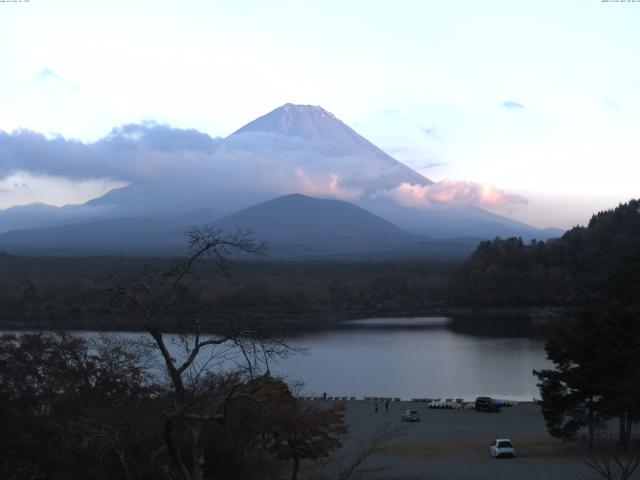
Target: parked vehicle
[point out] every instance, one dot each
(487, 404)
(410, 416)
(502, 447)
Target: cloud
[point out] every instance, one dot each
(151, 136)
(240, 165)
(129, 153)
(51, 81)
(47, 73)
(429, 131)
(450, 192)
(24, 189)
(149, 153)
(427, 165)
(510, 104)
(326, 186)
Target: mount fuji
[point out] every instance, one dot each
(294, 149)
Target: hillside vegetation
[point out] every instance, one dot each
(74, 291)
(595, 263)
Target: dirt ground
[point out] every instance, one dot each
(454, 444)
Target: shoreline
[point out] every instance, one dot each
(524, 322)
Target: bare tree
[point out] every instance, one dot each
(201, 388)
(352, 464)
(611, 461)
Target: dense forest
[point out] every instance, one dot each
(587, 264)
(75, 291)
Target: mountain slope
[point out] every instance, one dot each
(130, 235)
(37, 215)
(449, 221)
(296, 226)
(316, 140)
(314, 123)
(113, 236)
(299, 216)
(292, 149)
(309, 224)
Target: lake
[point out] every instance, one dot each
(409, 358)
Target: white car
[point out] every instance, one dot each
(502, 447)
(410, 416)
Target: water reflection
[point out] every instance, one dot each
(407, 358)
(396, 322)
(425, 360)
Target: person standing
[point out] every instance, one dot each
(375, 407)
(324, 396)
(386, 406)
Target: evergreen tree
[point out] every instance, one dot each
(596, 375)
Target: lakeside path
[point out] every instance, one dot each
(454, 444)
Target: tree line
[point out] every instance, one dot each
(587, 264)
(70, 292)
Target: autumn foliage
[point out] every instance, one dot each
(77, 408)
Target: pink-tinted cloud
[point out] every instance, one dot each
(325, 186)
(451, 192)
(268, 163)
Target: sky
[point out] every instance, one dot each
(537, 98)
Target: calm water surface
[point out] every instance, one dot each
(408, 358)
(418, 358)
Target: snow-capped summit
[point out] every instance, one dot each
(328, 135)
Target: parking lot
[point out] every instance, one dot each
(454, 444)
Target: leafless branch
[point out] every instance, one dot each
(612, 462)
(352, 465)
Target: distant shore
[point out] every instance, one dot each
(504, 321)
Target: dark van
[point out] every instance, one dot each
(486, 404)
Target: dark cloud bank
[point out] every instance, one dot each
(251, 162)
(129, 153)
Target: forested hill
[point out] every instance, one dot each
(599, 262)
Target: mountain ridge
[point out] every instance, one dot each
(292, 149)
(292, 219)
(311, 217)
(296, 226)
